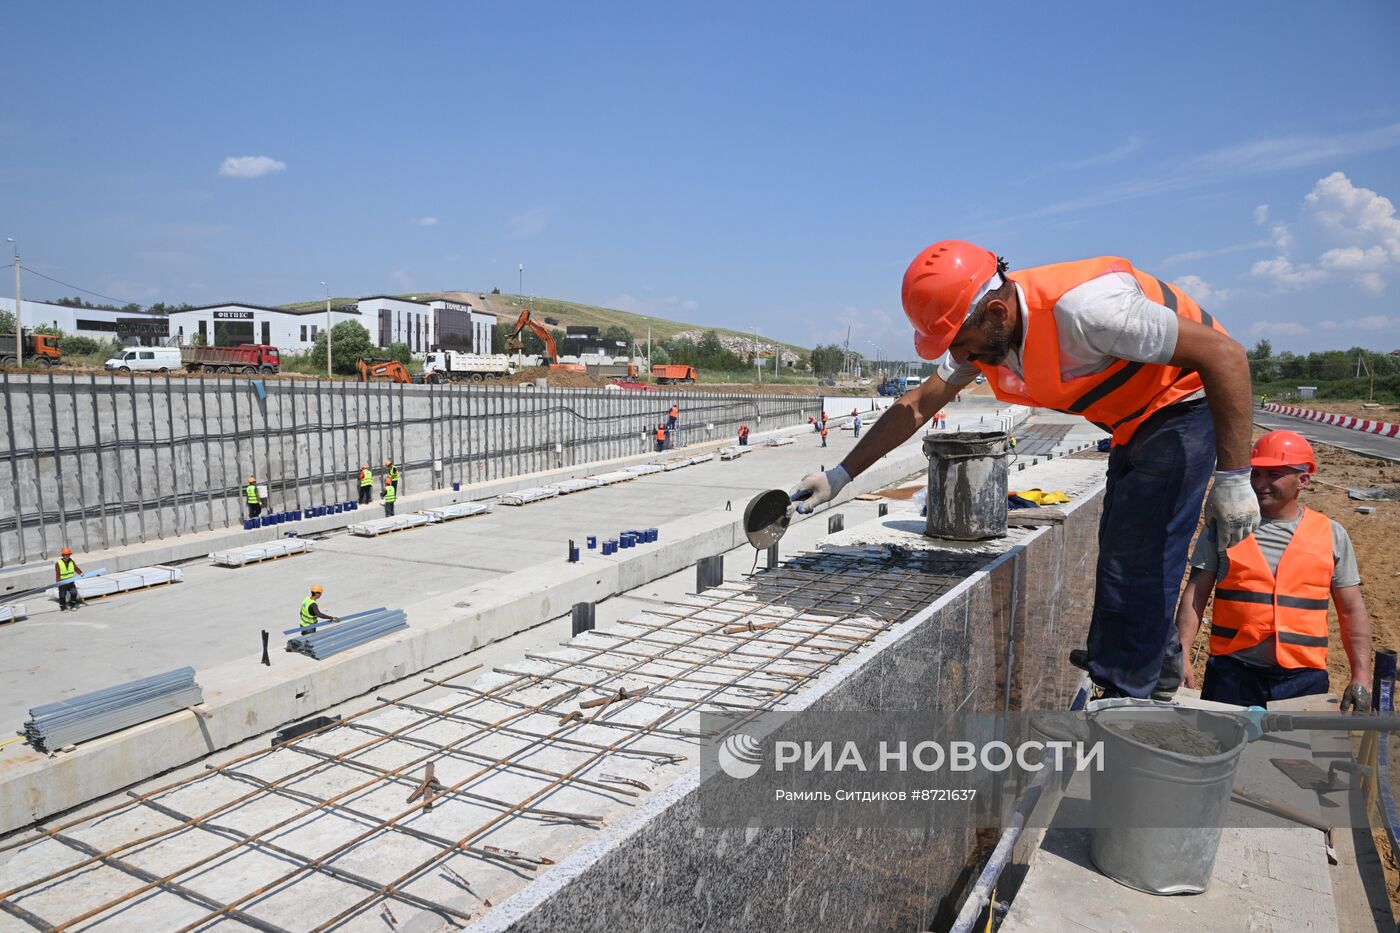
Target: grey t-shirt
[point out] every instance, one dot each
(1273, 536)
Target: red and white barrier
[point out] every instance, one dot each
(1341, 421)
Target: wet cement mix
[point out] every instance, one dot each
(1171, 735)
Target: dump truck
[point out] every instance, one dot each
(38, 348)
(467, 367)
(613, 370)
(244, 358)
(667, 374)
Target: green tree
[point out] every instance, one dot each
(659, 356)
(351, 342)
(79, 346)
(399, 351)
(47, 329)
(7, 322)
(1261, 362)
(619, 334)
(826, 359)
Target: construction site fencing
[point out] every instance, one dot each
(95, 462)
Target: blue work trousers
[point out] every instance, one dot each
(1231, 681)
(1156, 483)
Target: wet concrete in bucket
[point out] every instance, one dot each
(1175, 736)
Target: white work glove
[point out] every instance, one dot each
(817, 488)
(1232, 509)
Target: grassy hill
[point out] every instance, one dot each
(507, 307)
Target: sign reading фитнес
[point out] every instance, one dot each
(233, 315)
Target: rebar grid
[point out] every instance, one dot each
(767, 637)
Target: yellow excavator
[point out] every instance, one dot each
(551, 351)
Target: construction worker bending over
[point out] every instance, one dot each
(1127, 351)
(366, 484)
(65, 572)
(1268, 633)
(391, 496)
(391, 475)
(660, 437)
(255, 501)
(311, 609)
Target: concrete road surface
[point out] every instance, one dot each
(1387, 448)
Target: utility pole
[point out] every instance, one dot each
(329, 373)
(521, 285)
(648, 348)
(19, 327)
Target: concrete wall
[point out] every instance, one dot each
(997, 641)
(104, 461)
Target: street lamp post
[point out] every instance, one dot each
(328, 329)
(520, 284)
(19, 327)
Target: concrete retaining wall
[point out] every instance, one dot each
(998, 641)
(105, 461)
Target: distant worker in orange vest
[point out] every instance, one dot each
(1268, 631)
(823, 433)
(660, 438)
(675, 413)
(743, 435)
(941, 420)
(1130, 353)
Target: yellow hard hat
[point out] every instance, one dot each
(316, 588)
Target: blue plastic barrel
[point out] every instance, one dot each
(591, 541)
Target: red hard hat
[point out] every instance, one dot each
(66, 552)
(1283, 449)
(938, 289)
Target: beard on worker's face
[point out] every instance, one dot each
(997, 346)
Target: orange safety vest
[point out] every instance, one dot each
(1253, 605)
(660, 434)
(743, 430)
(675, 411)
(1121, 397)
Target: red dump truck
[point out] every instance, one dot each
(245, 358)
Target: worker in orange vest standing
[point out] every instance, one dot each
(660, 437)
(1268, 631)
(675, 413)
(743, 435)
(823, 433)
(1130, 353)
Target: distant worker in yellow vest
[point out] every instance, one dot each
(366, 484)
(391, 475)
(391, 496)
(1268, 631)
(1126, 351)
(66, 571)
(255, 501)
(311, 609)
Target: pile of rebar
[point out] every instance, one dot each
(328, 638)
(67, 722)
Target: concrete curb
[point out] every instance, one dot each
(244, 699)
(1366, 426)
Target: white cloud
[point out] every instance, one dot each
(1372, 322)
(1344, 232)
(1276, 328)
(1261, 214)
(1193, 255)
(250, 166)
(1201, 290)
(428, 221)
(529, 223)
(401, 278)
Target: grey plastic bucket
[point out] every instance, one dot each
(966, 485)
(1158, 814)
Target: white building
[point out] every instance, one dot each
(98, 323)
(398, 320)
(234, 323)
(460, 325)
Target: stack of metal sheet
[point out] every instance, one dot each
(701, 458)
(445, 513)
(351, 631)
(58, 725)
(533, 494)
(643, 469)
(574, 485)
(120, 582)
(237, 557)
(617, 476)
(779, 441)
(676, 464)
(12, 613)
(734, 452)
(378, 526)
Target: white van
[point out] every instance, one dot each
(146, 359)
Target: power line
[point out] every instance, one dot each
(86, 291)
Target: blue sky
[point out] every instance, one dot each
(731, 164)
